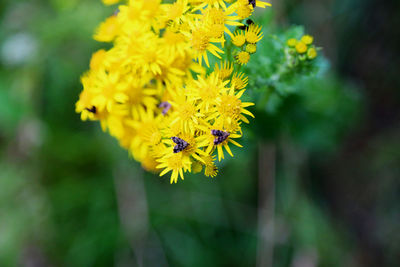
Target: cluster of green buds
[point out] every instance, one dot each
(301, 50)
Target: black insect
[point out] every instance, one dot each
(116, 12)
(253, 3)
(180, 144)
(220, 136)
(245, 27)
(249, 22)
(93, 109)
(165, 106)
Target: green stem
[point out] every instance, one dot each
(229, 52)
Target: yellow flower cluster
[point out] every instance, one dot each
(152, 91)
(246, 41)
(304, 47)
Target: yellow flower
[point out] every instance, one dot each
(185, 112)
(149, 163)
(184, 149)
(238, 39)
(144, 12)
(140, 95)
(206, 90)
(243, 57)
(210, 170)
(175, 162)
(216, 20)
(103, 87)
(191, 148)
(239, 81)
(301, 47)
(148, 55)
(175, 43)
(231, 108)
(148, 133)
(292, 42)
(108, 30)
(114, 123)
(225, 71)
(97, 60)
(307, 39)
(201, 43)
(253, 34)
(218, 138)
(85, 107)
(176, 11)
(251, 48)
(244, 9)
(312, 53)
(125, 140)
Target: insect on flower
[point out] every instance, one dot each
(245, 27)
(92, 109)
(220, 136)
(180, 144)
(165, 106)
(253, 3)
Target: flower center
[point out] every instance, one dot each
(200, 40)
(230, 106)
(187, 111)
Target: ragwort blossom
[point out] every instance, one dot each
(154, 89)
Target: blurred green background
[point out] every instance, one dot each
(70, 196)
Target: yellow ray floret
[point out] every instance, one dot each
(224, 70)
